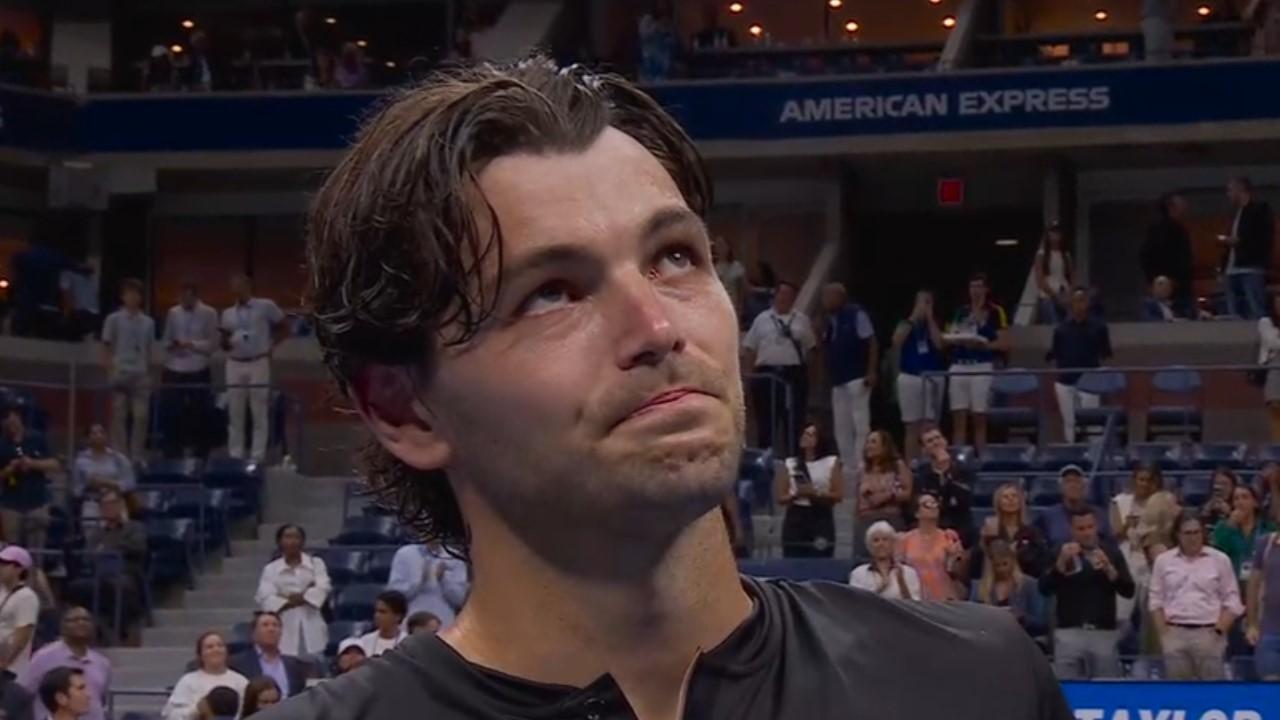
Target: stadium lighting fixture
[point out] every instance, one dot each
(4, 283)
(331, 20)
(188, 24)
(1204, 11)
(736, 7)
(852, 27)
(935, 2)
(756, 30)
(391, 63)
(1007, 242)
(175, 49)
(362, 43)
(1101, 15)
(949, 22)
(835, 4)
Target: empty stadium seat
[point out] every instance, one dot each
(1109, 385)
(368, 531)
(830, 569)
(151, 503)
(343, 629)
(172, 544)
(1057, 456)
(378, 569)
(240, 637)
(1267, 454)
(1195, 490)
(355, 602)
(1044, 490)
(1184, 419)
(1010, 391)
(242, 478)
(1207, 456)
(168, 472)
(1007, 458)
(1164, 455)
(980, 515)
(345, 567)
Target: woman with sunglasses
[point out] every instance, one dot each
(936, 554)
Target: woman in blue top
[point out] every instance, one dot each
(918, 342)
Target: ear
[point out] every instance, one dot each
(387, 400)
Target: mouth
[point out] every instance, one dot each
(666, 400)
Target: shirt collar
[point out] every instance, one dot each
(262, 656)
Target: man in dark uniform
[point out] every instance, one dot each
(513, 282)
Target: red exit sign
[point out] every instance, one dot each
(950, 192)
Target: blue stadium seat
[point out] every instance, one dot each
(169, 472)
(1267, 454)
(1184, 419)
(242, 478)
(830, 569)
(1009, 392)
(1057, 456)
(1165, 455)
(151, 503)
(172, 543)
(1195, 490)
(368, 531)
(984, 490)
(345, 567)
(355, 602)
(343, 629)
(1108, 384)
(240, 637)
(980, 515)
(756, 467)
(1207, 456)
(378, 569)
(1007, 458)
(1044, 490)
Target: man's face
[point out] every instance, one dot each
(977, 293)
(189, 297)
(1084, 530)
(935, 445)
(784, 298)
(240, 286)
(111, 507)
(77, 626)
(78, 696)
(1191, 536)
(266, 632)
(1079, 305)
(605, 391)
(1073, 488)
(131, 299)
(1162, 288)
(832, 298)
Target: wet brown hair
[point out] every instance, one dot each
(401, 243)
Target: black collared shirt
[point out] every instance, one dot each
(808, 651)
(1079, 344)
(1087, 597)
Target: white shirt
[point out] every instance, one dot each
(129, 335)
(866, 578)
(192, 688)
(413, 572)
(249, 325)
(18, 609)
(374, 644)
(771, 346)
(198, 326)
(304, 630)
(819, 473)
(1056, 278)
(1268, 341)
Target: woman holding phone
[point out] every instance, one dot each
(809, 486)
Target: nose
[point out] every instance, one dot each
(644, 334)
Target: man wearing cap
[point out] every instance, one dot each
(350, 655)
(1055, 522)
(19, 609)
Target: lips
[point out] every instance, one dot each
(664, 398)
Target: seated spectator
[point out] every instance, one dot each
(296, 586)
(388, 615)
(99, 467)
(1079, 341)
(1012, 525)
(422, 622)
(950, 483)
(1218, 506)
(19, 610)
(1194, 599)
(809, 486)
(264, 659)
(65, 694)
(1239, 534)
(185, 702)
(259, 694)
(431, 580)
(222, 703)
(884, 491)
(884, 575)
(1159, 306)
(115, 533)
(1262, 626)
(351, 655)
(73, 650)
(1003, 584)
(1087, 576)
(24, 466)
(936, 553)
(1055, 522)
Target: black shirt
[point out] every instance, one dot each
(954, 490)
(23, 491)
(1079, 344)
(808, 651)
(1086, 597)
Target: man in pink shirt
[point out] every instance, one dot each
(1194, 599)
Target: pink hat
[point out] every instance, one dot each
(16, 555)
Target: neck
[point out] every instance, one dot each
(928, 527)
(810, 454)
(1248, 523)
(883, 564)
(1072, 504)
(639, 609)
(1011, 520)
(215, 671)
(269, 652)
(389, 633)
(293, 559)
(64, 714)
(941, 462)
(77, 647)
(11, 584)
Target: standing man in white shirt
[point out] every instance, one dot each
(19, 610)
(776, 346)
(127, 336)
(190, 337)
(250, 331)
(431, 580)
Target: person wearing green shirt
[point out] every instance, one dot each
(1239, 532)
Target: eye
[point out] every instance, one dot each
(547, 297)
(675, 259)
